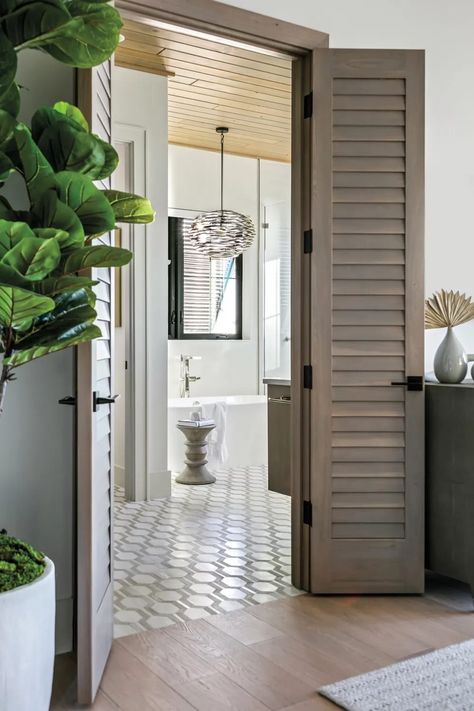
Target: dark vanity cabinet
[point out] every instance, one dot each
(279, 426)
(450, 480)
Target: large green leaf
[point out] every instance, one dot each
(6, 210)
(73, 113)
(72, 309)
(80, 334)
(6, 166)
(130, 208)
(7, 128)
(97, 256)
(10, 100)
(62, 134)
(59, 285)
(11, 234)
(51, 233)
(17, 305)
(10, 277)
(66, 148)
(49, 211)
(26, 20)
(8, 63)
(38, 174)
(88, 39)
(90, 205)
(34, 258)
(75, 117)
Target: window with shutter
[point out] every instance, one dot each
(205, 295)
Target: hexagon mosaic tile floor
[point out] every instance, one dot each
(203, 551)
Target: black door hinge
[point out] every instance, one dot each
(308, 513)
(308, 376)
(308, 105)
(308, 241)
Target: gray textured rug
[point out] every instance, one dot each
(439, 681)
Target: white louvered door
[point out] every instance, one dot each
(367, 325)
(94, 423)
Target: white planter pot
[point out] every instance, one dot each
(27, 644)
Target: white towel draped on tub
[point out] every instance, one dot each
(217, 449)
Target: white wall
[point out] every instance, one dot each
(36, 433)
(140, 109)
(444, 30)
(227, 367)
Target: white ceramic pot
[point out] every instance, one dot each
(27, 618)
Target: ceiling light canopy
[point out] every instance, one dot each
(221, 233)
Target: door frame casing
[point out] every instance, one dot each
(271, 35)
(134, 303)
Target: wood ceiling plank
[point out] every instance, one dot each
(208, 124)
(214, 98)
(259, 96)
(211, 84)
(264, 155)
(257, 71)
(160, 33)
(215, 73)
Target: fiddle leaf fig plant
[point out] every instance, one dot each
(48, 249)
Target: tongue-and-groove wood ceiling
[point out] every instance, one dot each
(213, 84)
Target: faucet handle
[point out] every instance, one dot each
(189, 357)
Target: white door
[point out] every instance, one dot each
(94, 436)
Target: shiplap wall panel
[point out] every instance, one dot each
(367, 481)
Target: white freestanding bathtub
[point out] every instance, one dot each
(245, 429)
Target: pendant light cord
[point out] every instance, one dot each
(222, 173)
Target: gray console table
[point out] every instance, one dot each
(450, 480)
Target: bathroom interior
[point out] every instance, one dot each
(185, 551)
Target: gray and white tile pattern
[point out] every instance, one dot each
(205, 550)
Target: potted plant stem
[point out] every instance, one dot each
(47, 300)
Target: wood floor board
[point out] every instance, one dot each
(335, 641)
(361, 625)
(273, 685)
(133, 687)
(311, 666)
(244, 627)
(165, 656)
(271, 656)
(217, 692)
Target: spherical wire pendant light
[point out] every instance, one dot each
(221, 233)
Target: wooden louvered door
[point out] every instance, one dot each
(94, 423)
(367, 324)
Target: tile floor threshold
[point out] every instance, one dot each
(203, 551)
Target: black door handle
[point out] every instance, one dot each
(68, 400)
(413, 382)
(102, 400)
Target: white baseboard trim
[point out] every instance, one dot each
(119, 475)
(64, 625)
(160, 484)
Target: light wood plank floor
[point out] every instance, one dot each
(272, 656)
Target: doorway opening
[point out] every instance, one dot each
(188, 551)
